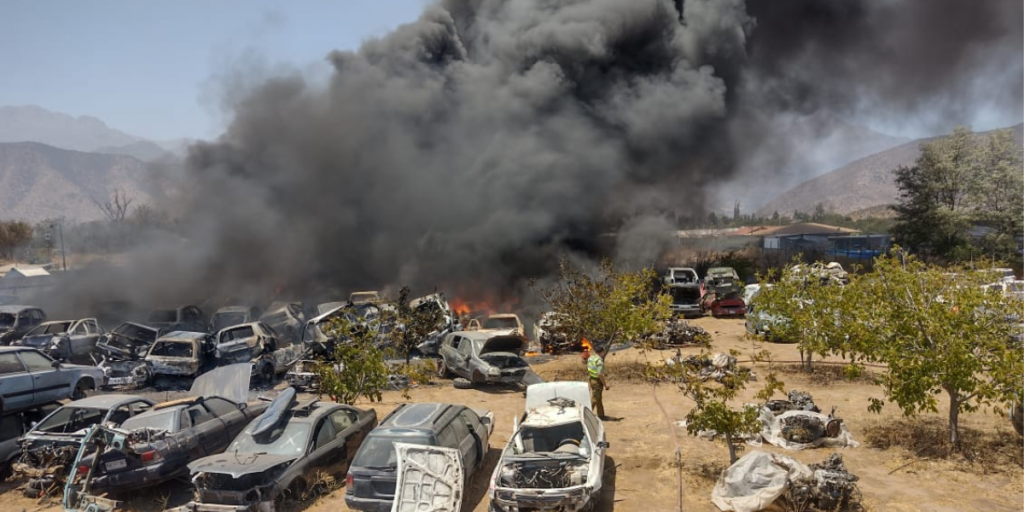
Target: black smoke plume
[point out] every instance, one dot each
(468, 149)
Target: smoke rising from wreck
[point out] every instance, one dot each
(467, 150)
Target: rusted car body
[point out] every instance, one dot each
(259, 344)
(722, 293)
(178, 355)
(122, 352)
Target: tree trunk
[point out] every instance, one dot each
(954, 417)
(732, 448)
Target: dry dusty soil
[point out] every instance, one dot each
(902, 464)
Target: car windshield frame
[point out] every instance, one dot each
(73, 415)
(169, 418)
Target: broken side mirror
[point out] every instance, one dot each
(55, 364)
(604, 444)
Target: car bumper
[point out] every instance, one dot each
(261, 506)
(508, 500)
(368, 504)
(132, 479)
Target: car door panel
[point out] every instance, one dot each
(49, 384)
(16, 383)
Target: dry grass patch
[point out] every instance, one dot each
(981, 451)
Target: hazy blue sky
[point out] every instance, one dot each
(150, 68)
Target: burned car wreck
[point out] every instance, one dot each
(259, 344)
(279, 454)
(555, 459)
(122, 351)
(48, 450)
(156, 446)
(483, 357)
(65, 340)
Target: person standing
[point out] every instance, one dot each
(595, 369)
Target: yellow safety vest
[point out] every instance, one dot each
(595, 366)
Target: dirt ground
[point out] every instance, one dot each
(640, 470)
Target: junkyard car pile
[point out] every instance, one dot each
(677, 333)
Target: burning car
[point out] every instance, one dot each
(555, 458)
(158, 444)
(178, 355)
(65, 340)
(483, 357)
(52, 445)
(722, 292)
(260, 344)
(279, 455)
(122, 351)
(551, 335)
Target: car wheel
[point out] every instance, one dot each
(442, 370)
(461, 383)
(79, 392)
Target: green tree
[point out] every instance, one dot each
(936, 329)
(712, 411)
(606, 305)
(413, 324)
(958, 183)
(13, 234)
(939, 332)
(359, 366)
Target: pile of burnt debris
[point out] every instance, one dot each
(718, 367)
(832, 488)
(679, 333)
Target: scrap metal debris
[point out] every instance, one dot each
(678, 333)
(832, 488)
(798, 401)
(800, 429)
(758, 479)
(717, 367)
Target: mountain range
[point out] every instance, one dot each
(858, 187)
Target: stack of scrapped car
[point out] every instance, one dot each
(283, 454)
(482, 357)
(555, 459)
(833, 487)
(48, 450)
(717, 367)
(552, 336)
(723, 293)
(156, 446)
(798, 401)
(176, 358)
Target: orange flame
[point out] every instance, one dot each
(459, 306)
(587, 346)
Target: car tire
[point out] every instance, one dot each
(442, 369)
(461, 383)
(79, 392)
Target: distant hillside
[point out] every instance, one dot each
(36, 124)
(39, 181)
(861, 184)
(143, 150)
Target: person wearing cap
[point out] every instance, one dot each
(595, 369)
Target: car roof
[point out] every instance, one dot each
(15, 308)
(181, 336)
(234, 309)
(485, 334)
(107, 401)
(422, 416)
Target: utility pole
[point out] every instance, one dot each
(63, 254)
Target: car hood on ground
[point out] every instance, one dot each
(239, 464)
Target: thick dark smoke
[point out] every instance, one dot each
(468, 149)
